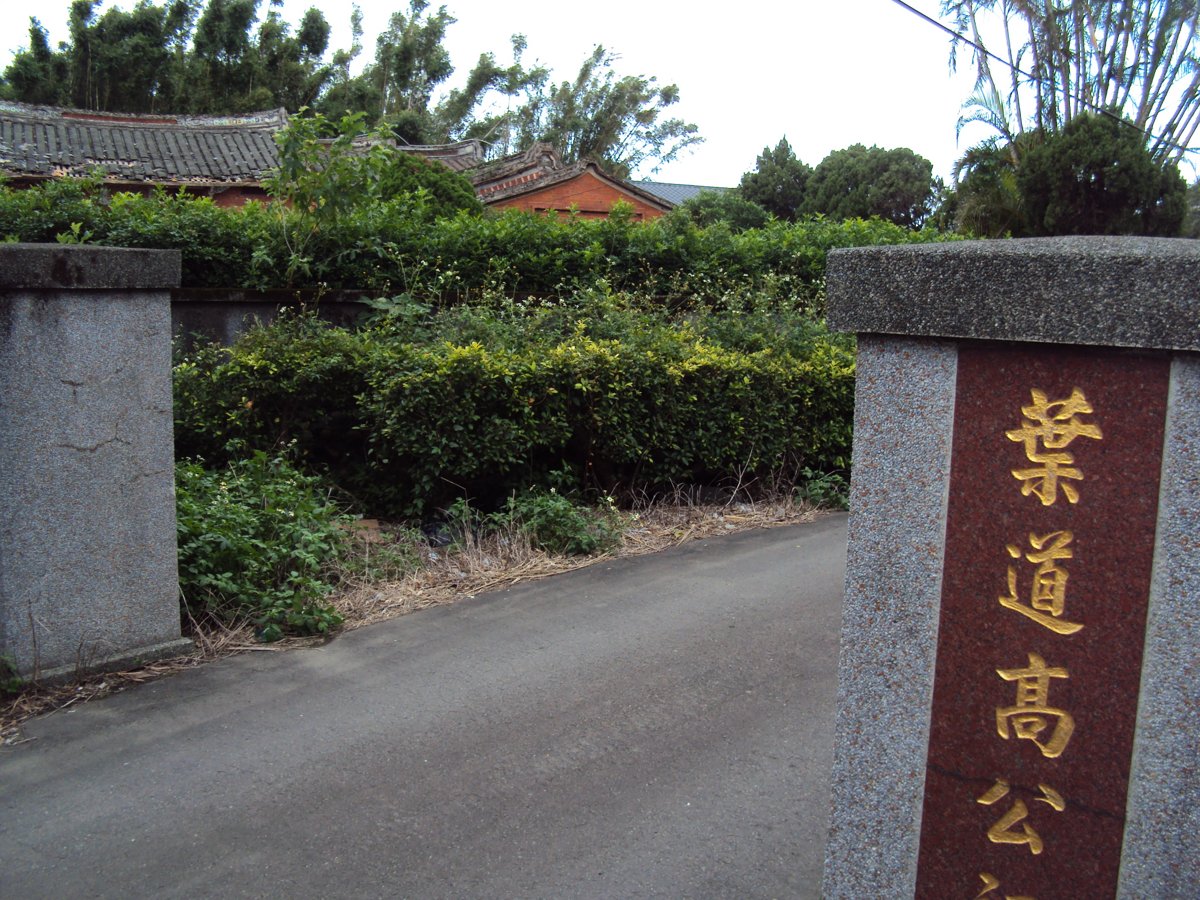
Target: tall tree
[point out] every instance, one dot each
(224, 57)
(486, 106)
(125, 60)
(730, 208)
(987, 198)
(1191, 221)
(349, 94)
(871, 181)
(614, 120)
(38, 74)
(397, 88)
(177, 56)
(289, 70)
(410, 63)
(778, 182)
(1056, 60)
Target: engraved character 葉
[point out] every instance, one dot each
(1047, 428)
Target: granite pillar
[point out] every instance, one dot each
(1019, 680)
(88, 575)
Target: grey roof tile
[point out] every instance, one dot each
(45, 141)
(677, 193)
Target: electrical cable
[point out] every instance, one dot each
(1007, 64)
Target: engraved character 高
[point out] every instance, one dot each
(1031, 715)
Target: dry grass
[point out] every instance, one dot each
(397, 572)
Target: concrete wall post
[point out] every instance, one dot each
(88, 575)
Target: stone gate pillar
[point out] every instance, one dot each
(1019, 680)
(88, 573)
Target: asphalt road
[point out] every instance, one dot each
(651, 727)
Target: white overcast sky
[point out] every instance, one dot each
(825, 73)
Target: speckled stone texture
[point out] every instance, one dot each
(86, 267)
(87, 515)
(1161, 856)
(1100, 291)
(904, 410)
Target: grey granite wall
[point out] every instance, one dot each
(87, 515)
(1161, 854)
(898, 496)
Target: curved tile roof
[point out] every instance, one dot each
(45, 141)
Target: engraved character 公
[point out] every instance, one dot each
(992, 883)
(1002, 832)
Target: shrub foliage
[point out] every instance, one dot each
(603, 393)
(405, 243)
(256, 538)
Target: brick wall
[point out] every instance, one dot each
(592, 197)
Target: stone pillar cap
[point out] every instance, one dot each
(82, 267)
(1099, 291)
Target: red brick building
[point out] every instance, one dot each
(539, 181)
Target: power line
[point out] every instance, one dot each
(1010, 65)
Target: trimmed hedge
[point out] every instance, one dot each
(413, 412)
(400, 246)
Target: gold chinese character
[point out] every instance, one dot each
(1052, 425)
(1049, 581)
(1002, 832)
(991, 883)
(1030, 715)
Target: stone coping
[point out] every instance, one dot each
(86, 267)
(1098, 291)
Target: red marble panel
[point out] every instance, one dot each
(1068, 665)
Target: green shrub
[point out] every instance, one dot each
(39, 214)
(603, 392)
(296, 381)
(550, 521)
(406, 228)
(556, 524)
(829, 490)
(10, 681)
(255, 542)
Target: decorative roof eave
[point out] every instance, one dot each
(458, 157)
(272, 119)
(37, 140)
(534, 162)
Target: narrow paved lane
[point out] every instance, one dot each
(652, 727)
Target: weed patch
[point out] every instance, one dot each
(257, 541)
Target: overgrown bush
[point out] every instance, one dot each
(557, 524)
(256, 539)
(548, 520)
(603, 393)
